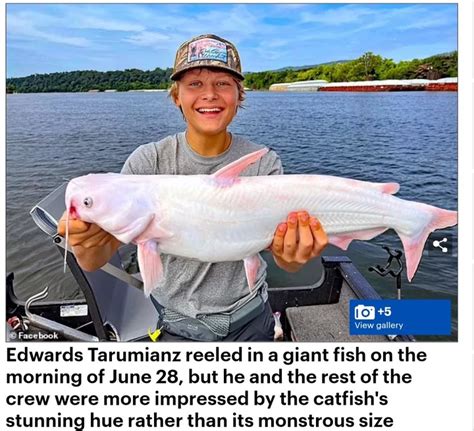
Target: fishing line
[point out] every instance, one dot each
(67, 238)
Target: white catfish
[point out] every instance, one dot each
(224, 217)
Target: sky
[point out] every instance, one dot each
(46, 38)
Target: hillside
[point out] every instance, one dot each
(368, 67)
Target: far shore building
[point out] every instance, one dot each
(313, 85)
(279, 87)
(444, 84)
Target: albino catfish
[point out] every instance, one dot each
(224, 217)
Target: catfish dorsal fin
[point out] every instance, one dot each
(389, 188)
(234, 169)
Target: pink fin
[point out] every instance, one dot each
(343, 240)
(234, 169)
(251, 265)
(150, 265)
(414, 246)
(390, 188)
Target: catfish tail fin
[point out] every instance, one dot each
(414, 245)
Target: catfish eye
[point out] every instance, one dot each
(87, 202)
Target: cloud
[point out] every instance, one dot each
(182, 22)
(31, 24)
(276, 43)
(425, 21)
(98, 23)
(147, 38)
(22, 28)
(342, 15)
(364, 18)
(290, 6)
(236, 23)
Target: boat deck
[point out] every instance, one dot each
(326, 322)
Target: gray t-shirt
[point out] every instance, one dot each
(191, 287)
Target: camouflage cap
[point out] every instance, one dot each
(207, 50)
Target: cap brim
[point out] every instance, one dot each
(175, 76)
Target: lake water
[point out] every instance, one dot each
(407, 137)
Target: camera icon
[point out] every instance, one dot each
(364, 312)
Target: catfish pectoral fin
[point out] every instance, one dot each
(251, 263)
(151, 267)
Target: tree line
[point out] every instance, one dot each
(368, 67)
(87, 80)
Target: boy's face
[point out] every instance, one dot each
(209, 100)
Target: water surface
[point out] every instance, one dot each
(410, 138)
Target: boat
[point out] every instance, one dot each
(312, 304)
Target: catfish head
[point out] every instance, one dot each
(117, 203)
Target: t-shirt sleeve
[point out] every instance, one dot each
(270, 164)
(143, 161)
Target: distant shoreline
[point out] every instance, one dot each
(315, 86)
(369, 67)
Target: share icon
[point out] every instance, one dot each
(437, 244)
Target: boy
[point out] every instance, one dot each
(201, 300)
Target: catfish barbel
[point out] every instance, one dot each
(224, 217)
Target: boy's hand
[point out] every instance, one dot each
(92, 246)
(298, 240)
(83, 234)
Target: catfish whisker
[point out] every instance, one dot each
(67, 239)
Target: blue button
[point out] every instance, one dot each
(400, 317)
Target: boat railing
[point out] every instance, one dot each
(115, 298)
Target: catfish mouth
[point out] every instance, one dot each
(73, 193)
(73, 211)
